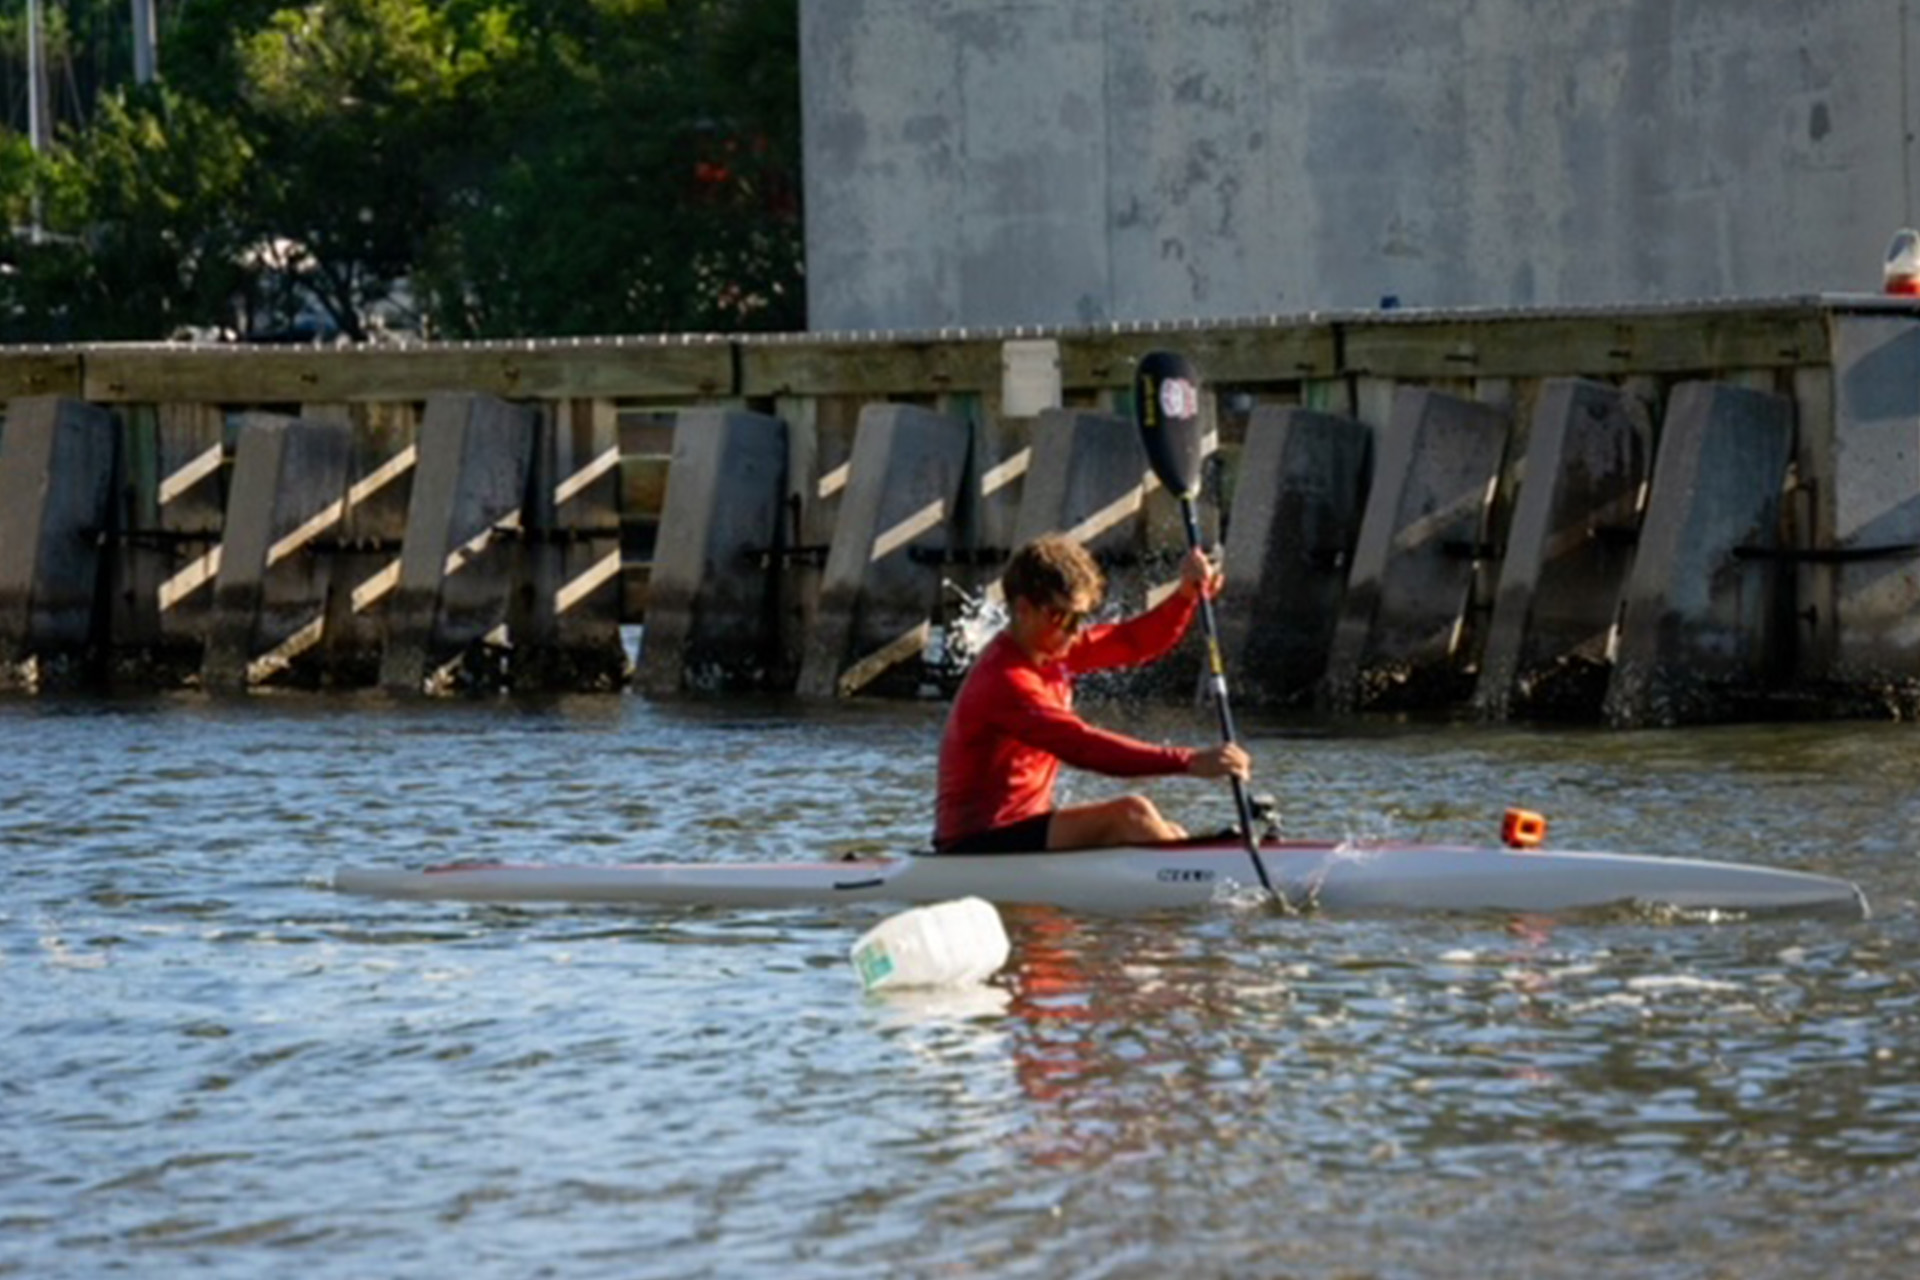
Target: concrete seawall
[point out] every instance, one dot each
(1640, 516)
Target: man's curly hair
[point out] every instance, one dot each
(1050, 569)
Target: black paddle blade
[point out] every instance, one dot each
(1166, 406)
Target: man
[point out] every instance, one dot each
(1012, 723)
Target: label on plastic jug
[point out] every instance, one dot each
(873, 964)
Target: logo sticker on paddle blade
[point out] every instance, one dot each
(1179, 398)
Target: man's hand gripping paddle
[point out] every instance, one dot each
(1166, 408)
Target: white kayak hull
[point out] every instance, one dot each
(1335, 878)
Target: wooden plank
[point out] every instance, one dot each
(643, 485)
(566, 620)
(192, 475)
(170, 507)
(635, 578)
(646, 457)
(34, 372)
(696, 367)
(1597, 345)
(644, 432)
(366, 555)
(885, 366)
(1262, 353)
(920, 366)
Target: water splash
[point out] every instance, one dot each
(1235, 895)
(1362, 837)
(967, 629)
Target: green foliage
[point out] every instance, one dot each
(503, 167)
(646, 179)
(138, 236)
(355, 105)
(20, 177)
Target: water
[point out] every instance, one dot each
(214, 1066)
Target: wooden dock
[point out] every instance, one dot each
(1645, 516)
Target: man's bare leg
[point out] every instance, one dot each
(1121, 821)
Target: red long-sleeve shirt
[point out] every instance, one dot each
(1012, 724)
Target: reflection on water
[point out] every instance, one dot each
(1584, 1042)
(1633, 1081)
(213, 1065)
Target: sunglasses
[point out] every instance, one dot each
(1068, 620)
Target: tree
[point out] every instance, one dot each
(140, 238)
(355, 106)
(646, 176)
(519, 167)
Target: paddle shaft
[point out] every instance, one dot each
(1166, 409)
(1217, 682)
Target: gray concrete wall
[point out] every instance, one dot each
(1014, 162)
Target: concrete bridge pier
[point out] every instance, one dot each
(270, 596)
(713, 598)
(891, 539)
(56, 470)
(1569, 551)
(1298, 498)
(1697, 623)
(1405, 637)
(461, 554)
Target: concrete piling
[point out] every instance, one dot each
(1405, 634)
(194, 477)
(270, 596)
(1569, 550)
(1697, 615)
(1088, 478)
(881, 590)
(1862, 595)
(56, 470)
(458, 562)
(712, 598)
(1300, 490)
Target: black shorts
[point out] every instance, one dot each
(1029, 835)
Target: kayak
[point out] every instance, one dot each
(1340, 878)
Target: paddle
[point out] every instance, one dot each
(1166, 408)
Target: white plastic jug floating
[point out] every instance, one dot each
(947, 944)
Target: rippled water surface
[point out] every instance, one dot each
(214, 1065)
